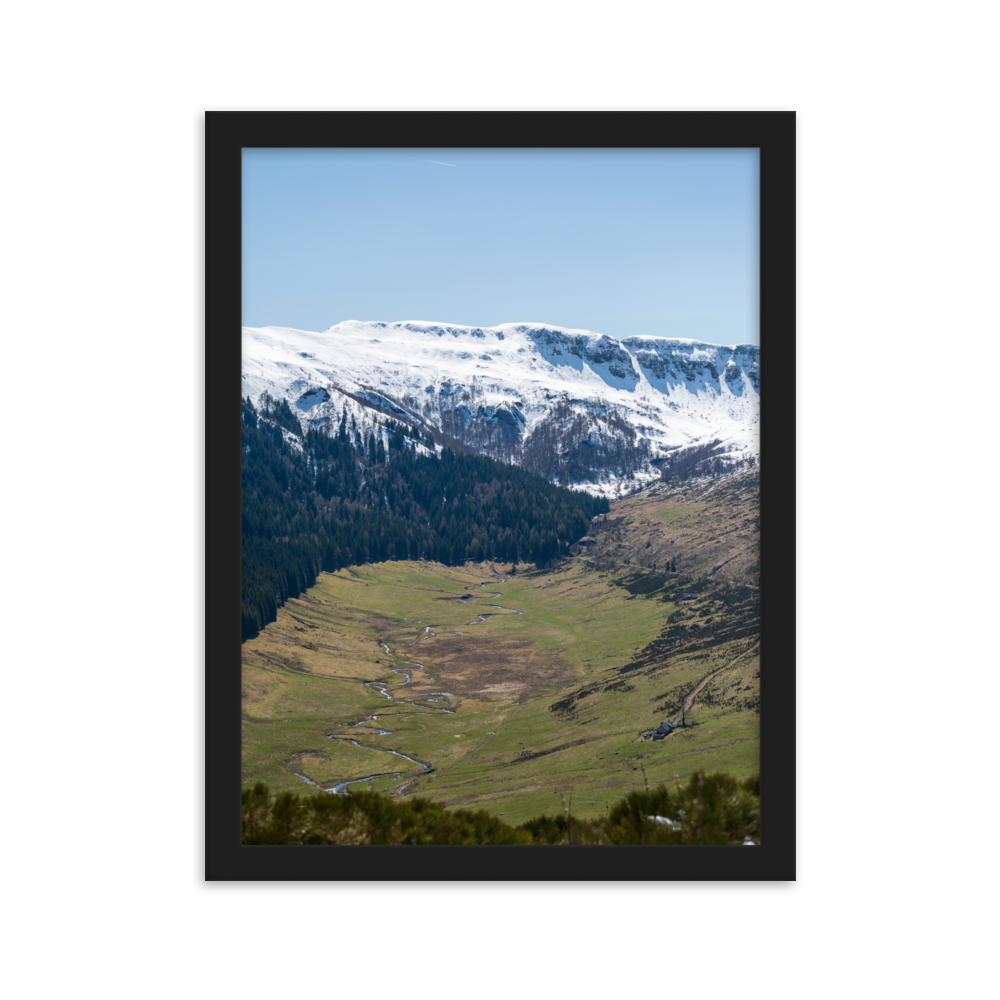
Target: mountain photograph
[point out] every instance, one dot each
(500, 583)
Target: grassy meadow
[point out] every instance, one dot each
(544, 708)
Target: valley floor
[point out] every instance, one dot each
(515, 693)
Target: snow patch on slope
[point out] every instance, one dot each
(504, 389)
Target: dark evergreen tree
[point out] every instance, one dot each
(326, 504)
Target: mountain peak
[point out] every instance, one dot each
(578, 406)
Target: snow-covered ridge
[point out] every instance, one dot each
(575, 405)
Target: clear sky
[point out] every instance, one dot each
(624, 242)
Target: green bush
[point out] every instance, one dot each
(366, 818)
(712, 809)
(565, 829)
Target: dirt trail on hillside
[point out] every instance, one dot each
(689, 700)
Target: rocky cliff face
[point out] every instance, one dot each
(579, 407)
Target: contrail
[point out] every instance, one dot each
(440, 163)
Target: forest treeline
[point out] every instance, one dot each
(314, 501)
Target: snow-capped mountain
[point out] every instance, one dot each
(577, 407)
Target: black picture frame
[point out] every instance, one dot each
(227, 133)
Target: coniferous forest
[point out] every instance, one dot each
(313, 502)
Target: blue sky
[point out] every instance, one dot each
(624, 242)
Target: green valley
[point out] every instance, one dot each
(528, 688)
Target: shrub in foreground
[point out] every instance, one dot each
(366, 818)
(710, 809)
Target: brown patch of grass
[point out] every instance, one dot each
(302, 641)
(706, 529)
(491, 667)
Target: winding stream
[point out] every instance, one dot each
(382, 687)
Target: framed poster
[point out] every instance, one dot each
(639, 231)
